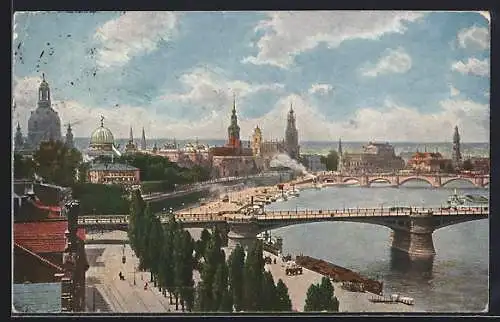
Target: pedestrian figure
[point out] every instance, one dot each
(145, 286)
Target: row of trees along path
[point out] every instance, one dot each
(239, 284)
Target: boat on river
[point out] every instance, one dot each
(468, 200)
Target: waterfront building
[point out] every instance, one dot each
(426, 162)
(69, 137)
(44, 123)
(376, 157)
(480, 165)
(232, 159)
(456, 155)
(113, 173)
(190, 155)
(313, 162)
(292, 136)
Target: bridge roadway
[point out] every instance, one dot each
(192, 219)
(412, 227)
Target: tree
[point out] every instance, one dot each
(213, 257)
(24, 168)
(328, 302)
(220, 287)
(313, 300)
(252, 277)
(467, 165)
(137, 206)
(331, 161)
(268, 293)
(56, 163)
(283, 302)
(236, 266)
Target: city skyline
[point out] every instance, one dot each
(395, 76)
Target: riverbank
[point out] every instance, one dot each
(354, 302)
(236, 200)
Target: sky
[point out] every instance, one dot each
(356, 75)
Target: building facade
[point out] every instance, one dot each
(376, 157)
(426, 162)
(232, 159)
(114, 173)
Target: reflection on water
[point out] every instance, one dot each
(411, 268)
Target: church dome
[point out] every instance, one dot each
(102, 136)
(44, 124)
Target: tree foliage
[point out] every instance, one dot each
(331, 160)
(57, 163)
(320, 297)
(24, 167)
(283, 301)
(236, 266)
(467, 165)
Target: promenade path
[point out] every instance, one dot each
(123, 296)
(348, 301)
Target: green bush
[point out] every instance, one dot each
(157, 186)
(101, 199)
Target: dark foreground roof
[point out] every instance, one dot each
(37, 297)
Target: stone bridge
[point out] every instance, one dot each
(435, 180)
(412, 227)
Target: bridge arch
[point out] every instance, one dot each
(486, 184)
(402, 181)
(344, 180)
(444, 182)
(379, 180)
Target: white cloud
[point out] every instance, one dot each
(473, 66)
(320, 89)
(210, 88)
(390, 122)
(394, 61)
(454, 91)
(474, 37)
(287, 34)
(131, 34)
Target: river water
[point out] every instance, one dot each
(455, 281)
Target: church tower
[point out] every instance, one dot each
(44, 123)
(18, 140)
(143, 140)
(256, 141)
(339, 152)
(457, 155)
(233, 130)
(130, 147)
(292, 136)
(69, 137)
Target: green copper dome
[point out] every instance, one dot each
(102, 136)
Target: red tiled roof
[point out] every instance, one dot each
(40, 258)
(43, 236)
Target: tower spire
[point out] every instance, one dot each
(131, 135)
(102, 121)
(143, 140)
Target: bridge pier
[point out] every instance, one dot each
(416, 240)
(243, 233)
